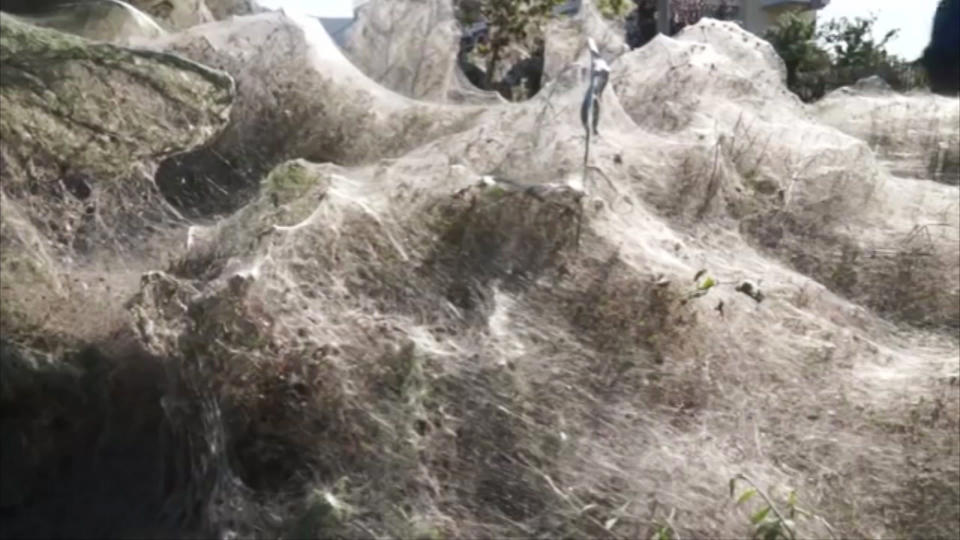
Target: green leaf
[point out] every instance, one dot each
(662, 533)
(769, 530)
(746, 495)
(707, 283)
(759, 516)
(774, 532)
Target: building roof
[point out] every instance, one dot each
(808, 4)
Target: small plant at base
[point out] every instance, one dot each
(663, 532)
(663, 527)
(703, 285)
(705, 282)
(666, 532)
(769, 523)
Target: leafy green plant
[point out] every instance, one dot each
(663, 532)
(510, 22)
(794, 39)
(856, 53)
(769, 522)
(704, 282)
(852, 44)
(613, 9)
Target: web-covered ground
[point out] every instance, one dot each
(427, 321)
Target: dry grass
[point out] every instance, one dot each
(444, 389)
(395, 351)
(486, 375)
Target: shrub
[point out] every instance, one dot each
(839, 54)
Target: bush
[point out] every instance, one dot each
(613, 9)
(839, 54)
(509, 22)
(794, 39)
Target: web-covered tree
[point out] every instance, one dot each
(642, 21)
(794, 38)
(509, 22)
(853, 44)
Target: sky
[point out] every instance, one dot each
(320, 8)
(913, 18)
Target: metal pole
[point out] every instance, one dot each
(663, 17)
(588, 122)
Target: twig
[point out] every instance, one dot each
(712, 183)
(673, 528)
(586, 151)
(833, 533)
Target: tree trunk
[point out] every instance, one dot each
(492, 63)
(792, 75)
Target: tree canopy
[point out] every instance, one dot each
(839, 53)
